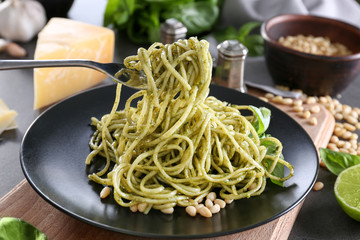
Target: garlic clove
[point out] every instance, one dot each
(21, 20)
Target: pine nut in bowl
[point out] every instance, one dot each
(319, 55)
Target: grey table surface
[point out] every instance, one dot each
(320, 217)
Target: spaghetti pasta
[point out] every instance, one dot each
(178, 144)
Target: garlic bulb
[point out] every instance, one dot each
(21, 20)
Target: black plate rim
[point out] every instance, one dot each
(154, 235)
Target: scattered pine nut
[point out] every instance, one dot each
(209, 203)
(298, 102)
(15, 50)
(298, 109)
(134, 208)
(228, 201)
(167, 210)
(311, 100)
(220, 202)
(205, 212)
(105, 192)
(211, 196)
(142, 206)
(269, 95)
(215, 209)
(318, 186)
(191, 210)
(313, 121)
(264, 99)
(315, 109)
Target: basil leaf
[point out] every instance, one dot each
(228, 33)
(262, 121)
(279, 169)
(197, 17)
(255, 44)
(245, 29)
(336, 162)
(15, 229)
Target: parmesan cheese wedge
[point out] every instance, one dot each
(63, 38)
(7, 117)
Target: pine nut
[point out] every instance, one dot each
(229, 201)
(215, 209)
(351, 120)
(205, 212)
(191, 210)
(340, 143)
(338, 116)
(105, 192)
(347, 145)
(167, 210)
(352, 151)
(199, 206)
(298, 109)
(305, 114)
(264, 99)
(15, 50)
(354, 136)
(346, 109)
(313, 121)
(252, 186)
(134, 208)
(298, 102)
(142, 207)
(269, 95)
(349, 127)
(311, 100)
(334, 139)
(211, 196)
(346, 135)
(315, 109)
(277, 99)
(332, 147)
(323, 100)
(220, 202)
(287, 101)
(318, 186)
(209, 203)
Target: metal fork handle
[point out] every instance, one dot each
(16, 64)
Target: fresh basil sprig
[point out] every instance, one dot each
(253, 42)
(14, 229)
(262, 120)
(271, 149)
(141, 19)
(336, 162)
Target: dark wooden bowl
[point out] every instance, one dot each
(314, 74)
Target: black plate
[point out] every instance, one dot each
(53, 156)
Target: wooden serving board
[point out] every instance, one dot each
(23, 202)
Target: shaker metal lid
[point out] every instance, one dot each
(173, 26)
(232, 48)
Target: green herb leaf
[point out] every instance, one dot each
(272, 149)
(245, 29)
(197, 17)
(253, 42)
(262, 120)
(15, 229)
(336, 162)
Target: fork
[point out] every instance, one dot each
(116, 71)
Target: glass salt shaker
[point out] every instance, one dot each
(172, 30)
(230, 65)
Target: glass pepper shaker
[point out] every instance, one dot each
(172, 30)
(230, 65)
